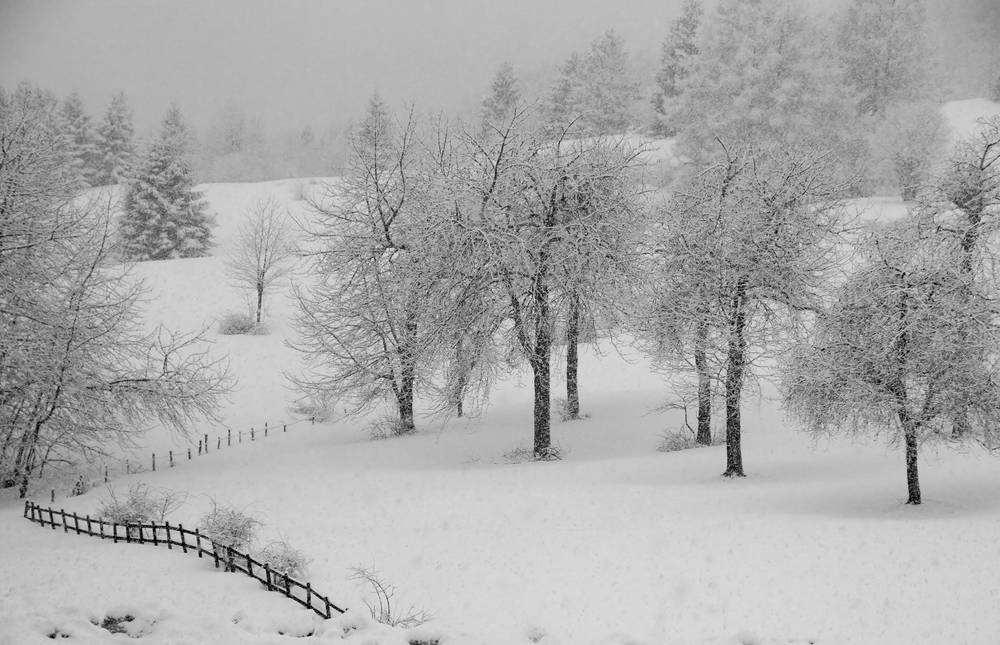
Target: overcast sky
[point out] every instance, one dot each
(297, 61)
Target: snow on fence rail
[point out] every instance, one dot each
(176, 535)
(221, 441)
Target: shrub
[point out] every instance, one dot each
(673, 440)
(388, 426)
(141, 506)
(283, 560)
(229, 526)
(235, 324)
(384, 608)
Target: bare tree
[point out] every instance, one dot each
(741, 250)
(909, 344)
(263, 249)
(78, 371)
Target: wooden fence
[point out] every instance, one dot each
(177, 536)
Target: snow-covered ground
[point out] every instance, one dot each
(616, 544)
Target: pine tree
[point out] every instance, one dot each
(78, 136)
(679, 47)
(597, 89)
(164, 216)
(504, 96)
(884, 50)
(115, 148)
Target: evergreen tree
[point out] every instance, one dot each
(503, 97)
(884, 50)
(78, 136)
(763, 76)
(164, 216)
(115, 148)
(597, 89)
(679, 47)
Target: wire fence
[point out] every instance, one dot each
(188, 541)
(171, 458)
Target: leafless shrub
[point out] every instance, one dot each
(384, 608)
(284, 559)
(239, 324)
(388, 426)
(142, 505)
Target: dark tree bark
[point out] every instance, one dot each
(407, 375)
(541, 372)
(704, 435)
(735, 366)
(260, 300)
(572, 343)
(912, 476)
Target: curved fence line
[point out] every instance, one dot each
(177, 536)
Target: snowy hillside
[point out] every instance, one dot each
(617, 544)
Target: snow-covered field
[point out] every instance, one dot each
(616, 544)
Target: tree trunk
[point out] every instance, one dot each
(735, 365)
(260, 300)
(960, 423)
(405, 401)
(541, 372)
(407, 375)
(704, 435)
(572, 342)
(912, 476)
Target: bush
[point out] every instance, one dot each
(284, 560)
(141, 506)
(673, 440)
(229, 526)
(385, 608)
(235, 324)
(388, 426)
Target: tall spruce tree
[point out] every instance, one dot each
(164, 216)
(78, 136)
(115, 150)
(499, 104)
(676, 54)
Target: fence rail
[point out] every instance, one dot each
(172, 536)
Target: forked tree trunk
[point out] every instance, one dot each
(735, 365)
(572, 360)
(912, 476)
(704, 435)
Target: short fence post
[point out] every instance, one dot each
(309, 594)
(251, 434)
(229, 436)
(171, 458)
(312, 420)
(154, 462)
(197, 541)
(90, 531)
(114, 531)
(284, 427)
(76, 523)
(239, 435)
(52, 519)
(189, 454)
(156, 539)
(166, 525)
(100, 524)
(215, 553)
(199, 446)
(62, 512)
(249, 567)
(218, 444)
(288, 588)
(105, 474)
(53, 499)
(326, 601)
(229, 558)
(206, 443)
(127, 470)
(267, 574)
(26, 509)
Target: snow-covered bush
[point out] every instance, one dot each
(229, 526)
(673, 440)
(388, 426)
(233, 324)
(142, 505)
(284, 559)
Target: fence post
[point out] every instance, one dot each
(156, 539)
(309, 594)
(76, 523)
(251, 434)
(218, 444)
(171, 458)
(184, 545)
(267, 574)
(206, 443)
(114, 531)
(25, 509)
(197, 541)
(166, 525)
(53, 499)
(265, 428)
(229, 436)
(89, 530)
(154, 462)
(229, 558)
(105, 473)
(249, 567)
(326, 601)
(312, 420)
(199, 446)
(127, 471)
(62, 512)
(100, 523)
(284, 427)
(189, 454)
(215, 553)
(288, 587)
(239, 436)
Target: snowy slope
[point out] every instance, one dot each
(616, 544)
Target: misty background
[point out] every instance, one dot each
(315, 63)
